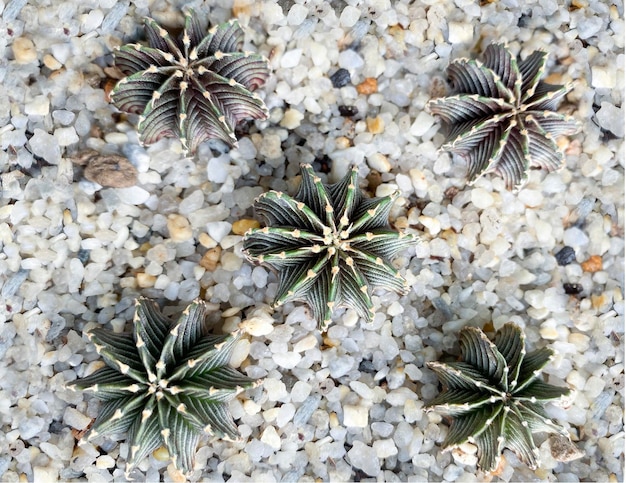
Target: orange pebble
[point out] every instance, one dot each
(593, 264)
(368, 86)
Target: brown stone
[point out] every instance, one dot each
(368, 86)
(211, 258)
(109, 170)
(593, 264)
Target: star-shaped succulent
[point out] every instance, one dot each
(502, 117)
(195, 87)
(165, 383)
(495, 395)
(329, 244)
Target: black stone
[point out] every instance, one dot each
(348, 111)
(572, 288)
(565, 256)
(340, 78)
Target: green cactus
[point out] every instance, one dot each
(164, 384)
(329, 244)
(494, 395)
(501, 117)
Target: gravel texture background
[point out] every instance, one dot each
(347, 404)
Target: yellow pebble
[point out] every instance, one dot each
(161, 454)
(206, 241)
(51, 63)
(240, 227)
(375, 125)
(24, 50)
(211, 258)
(145, 280)
(179, 228)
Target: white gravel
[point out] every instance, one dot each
(348, 404)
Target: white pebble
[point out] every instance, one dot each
(349, 16)
(481, 198)
(271, 438)
(291, 58)
(133, 195)
(297, 14)
(385, 448)
(75, 419)
(365, 458)
(38, 106)
(460, 32)
(287, 360)
(423, 122)
(300, 391)
(355, 416)
(66, 136)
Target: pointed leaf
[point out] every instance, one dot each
(519, 438)
(538, 420)
(470, 424)
(490, 443)
(144, 435)
(532, 365)
(313, 194)
(540, 391)
(150, 328)
(226, 37)
(107, 383)
(510, 341)
(116, 415)
(531, 70)
(482, 354)
(119, 352)
(280, 210)
(460, 401)
(179, 434)
(373, 213)
(472, 77)
(382, 243)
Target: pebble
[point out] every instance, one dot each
(66, 136)
(219, 229)
(611, 118)
(291, 119)
(259, 323)
(271, 438)
(39, 106)
(592, 264)
(481, 198)
(287, 360)
(365, 458)
(379, 162)
(460, 32)
(565, 256)
(340, 78)
(375, 125)
(297, 14)
(385, 448)
(109, 170)
(75, 419)
(45, 145)
(355, 416)
(24, 50)
(51, 63)
(179, 228)
(211, 258)
(368, 86)
(349, 16)
(423, 122)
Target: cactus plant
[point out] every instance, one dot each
(501, 117)
(194, 87)
(495, 395)
(329, 244)
(165, 383)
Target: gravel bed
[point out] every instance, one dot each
(349, 86)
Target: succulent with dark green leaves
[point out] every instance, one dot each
(329, 244)
(502, 117)
(165, 383)
(195, 87)
(495, 394)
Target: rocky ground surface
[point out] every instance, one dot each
(347, 404)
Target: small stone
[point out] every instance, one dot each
(565, 256)
(109, 170)
(379, 162)
(45, 145)
(66, 136)
(76, 419)
(305, 344)
(287, 360)
(260, 323)
(423, 122)
(51, 63)
(179, 228)
(300, 391)
(481, 198)
(291, 58)
(368, 86)
(375, 125)
(206, 241)
(611, 118)
(240, 227)
(349, 16)
(297, 14)
(365, 458)
(603, 77)
(460, 32)
(219, 229)
(105, 462)
(593, 264)
(572, 288)
(348, 111)
(24, 50)
(211, 258)
(340, 78)
(385, 448)
(161, 454)
(145, 280)
(562, 449)
(39, 106)
(355, 416)
(271, 438)
(291, 119)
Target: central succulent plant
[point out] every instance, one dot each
(494, 395)
(502, 117)
(194, 87)
(164, 384)
(329, 245)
